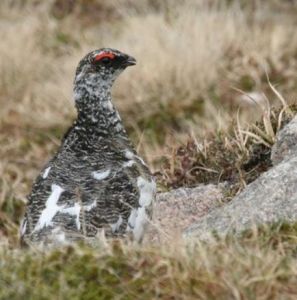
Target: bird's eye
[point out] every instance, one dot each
(105, 58)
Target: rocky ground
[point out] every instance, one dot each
(179, 208)
(271, 198)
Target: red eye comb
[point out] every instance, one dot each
(103, 55)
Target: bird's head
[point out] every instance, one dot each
(102, 66)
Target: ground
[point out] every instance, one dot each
(215, 81)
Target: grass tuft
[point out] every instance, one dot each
(261, 262)
(237, 157)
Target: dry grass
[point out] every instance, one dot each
(260, 265)
(237, 156)
(193, 58)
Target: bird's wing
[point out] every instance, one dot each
(123, 190)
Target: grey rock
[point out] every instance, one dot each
(174, 211)
(286, 143)
(271, 198)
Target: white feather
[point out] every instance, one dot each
(141, 221)
(130, 155)
(100, 175)
(138, 218)
(51, 208)
(90, 206)
(147, 190)
(128, 164)
(45, 173)
(132, 218)
(115, 226)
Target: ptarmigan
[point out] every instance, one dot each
(96, 183)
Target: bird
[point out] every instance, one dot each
(96, 184)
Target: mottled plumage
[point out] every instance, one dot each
(96, 182)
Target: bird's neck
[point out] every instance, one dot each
(95, 109)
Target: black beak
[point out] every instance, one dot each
(130, 61)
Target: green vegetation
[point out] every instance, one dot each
(262, 263)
